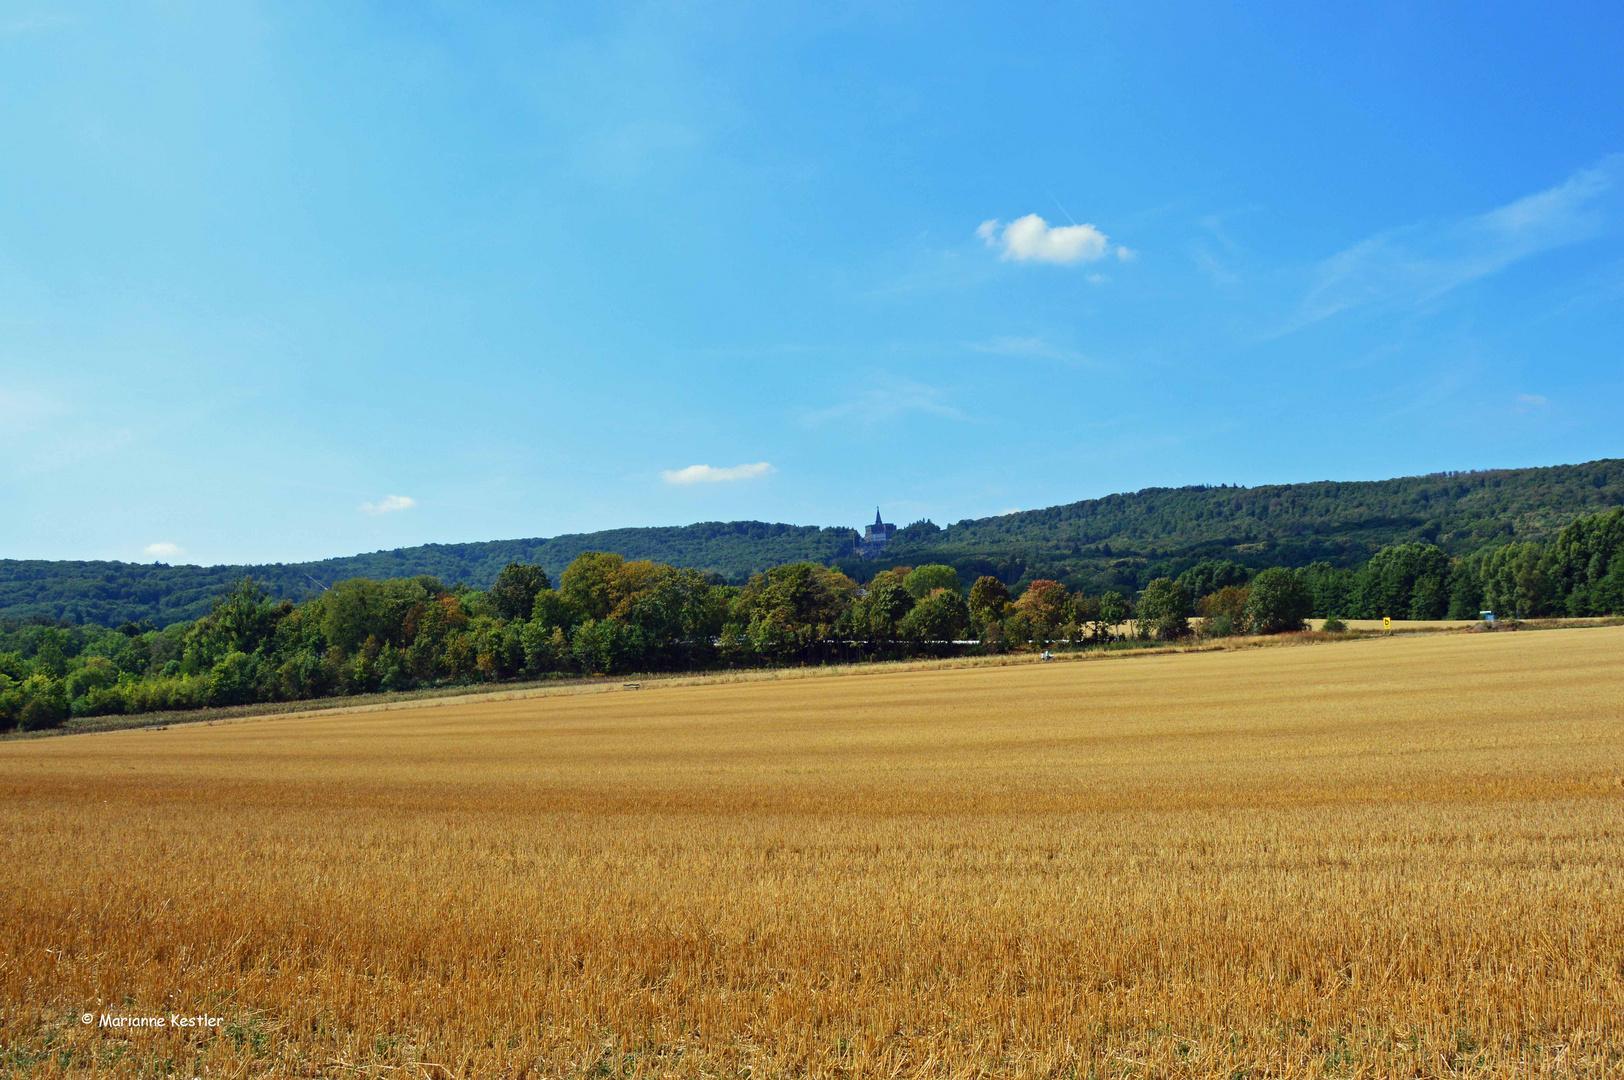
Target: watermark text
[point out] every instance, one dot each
(165, 1020)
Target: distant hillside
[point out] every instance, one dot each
(1120, 541)
(109, 593)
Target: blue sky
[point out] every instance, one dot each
(288, 281)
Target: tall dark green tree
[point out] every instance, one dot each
(1332, 588)
(885, 608)
(1165, 608)
(240, 622)
(1465, 590)
(940, 616)
(514, 593)
(1209, 575)
(1515, 581)
(1580, 560)
(1405, 581)
(1114, 610)
(1277, 602)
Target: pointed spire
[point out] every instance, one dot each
(877, 520)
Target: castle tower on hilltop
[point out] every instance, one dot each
(875, 537)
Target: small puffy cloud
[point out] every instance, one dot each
(390, 504)
(1526, 402)
(706, 474)
(1031, 239)
(163, 549)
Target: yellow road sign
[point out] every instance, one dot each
(1387, 622)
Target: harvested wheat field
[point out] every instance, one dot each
(1390, 857)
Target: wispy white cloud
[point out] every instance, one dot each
(1526, 402)
(1214, 266)
(1032, 239)
(706, 474)
(888, 401)
(34, 25)
(22, 408)
(60, 430)
(163, 549)
(391, 504)
(1026, 347)
(1420, 263)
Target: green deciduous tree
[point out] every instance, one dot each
(940, 616)
(924, 580)
(388, 611)
(552, 610)
(45, 703)
(1210, 575)
(604, 646)
(801, 598)
(1580, 560)
(231, 679)
(514, 593)
(1165, 608)
(987, 598)
(594, 583)
(1332, 588)
(1278, 602)
(1607, 595)
(1465, 590)
(241, 620)
(1405, 581)
(96, 673)
(884, 608)
(1224, 612)
(1515, 582)
(678, 613)
(1114, 610)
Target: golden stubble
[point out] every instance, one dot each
(1392, 857)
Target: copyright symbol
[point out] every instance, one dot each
(86, 1018)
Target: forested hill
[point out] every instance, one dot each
(1121, 541)
(110, 593)
(1125, 540)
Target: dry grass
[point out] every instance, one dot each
(1391, 857)
(1403, 626)
(470, 693)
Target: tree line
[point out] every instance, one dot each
(1120, 542)
(609, 615)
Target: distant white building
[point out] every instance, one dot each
(875, 537)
